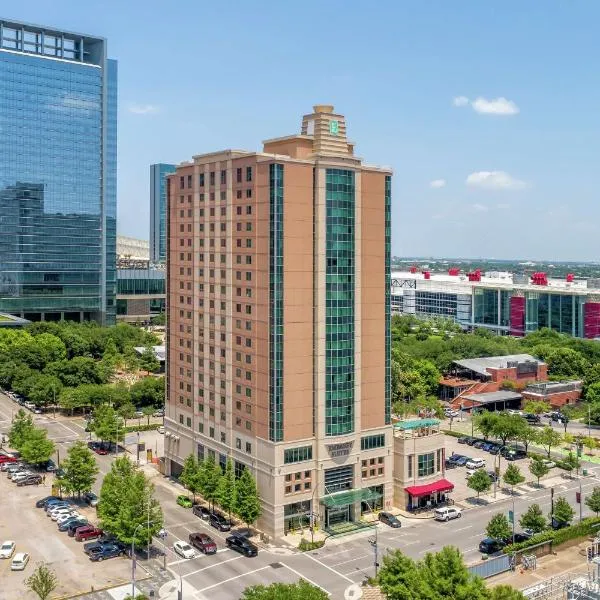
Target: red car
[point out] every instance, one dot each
(7, 459)
(100, 450)
(87, 532)
(203, 542)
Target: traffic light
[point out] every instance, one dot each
(578, 497)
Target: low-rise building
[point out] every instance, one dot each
(419, 464)
(555, 393)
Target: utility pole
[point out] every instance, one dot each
(514, 517)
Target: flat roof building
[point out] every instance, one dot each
(278, 343)
(58, 166)
(158, 210)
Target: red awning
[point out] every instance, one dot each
(442, 485)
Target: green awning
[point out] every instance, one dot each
(350, 497)
(416, 424)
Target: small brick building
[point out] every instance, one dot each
(556, 393)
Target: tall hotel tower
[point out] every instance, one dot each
(278, 269)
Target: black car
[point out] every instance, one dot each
(532, 419)
(219, 522)
(492, 475)
(558, 524)
(496, 449)
(519, 537)
(389, 519)
(490, 546)
(479, 444)
(104, 540)
(77, 521)
(464, 439)
(105, 551)
(42, 503)
(511, 455)
(73, 526)
(242, 545)
(201, 511)
(462, 461)
(449, 464)
(471, 441)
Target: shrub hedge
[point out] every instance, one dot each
(150, 427)
(305, 545)
(588, 526)
(455, 434)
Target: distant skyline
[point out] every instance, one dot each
(487, 113)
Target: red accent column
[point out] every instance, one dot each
(591, 320)
(517, 315)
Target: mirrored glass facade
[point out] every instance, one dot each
(58, 131)
(158, 211)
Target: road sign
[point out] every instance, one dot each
(578, 497)
(511, 516)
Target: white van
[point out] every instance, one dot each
(446, 513)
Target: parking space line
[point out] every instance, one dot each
(178, 562)
(222, 562)
(351, 560)
(210, 587)
(463, 528)
(328, 567)
(305, 578)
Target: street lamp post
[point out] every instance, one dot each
(374, 542)
(133, 560)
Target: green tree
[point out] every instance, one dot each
(533, 519)
(126, 411)
(499, 528)
(42, 582)
(80, 469)
(209, 477)
(479, 482)
(148, 360)
(149, 391)
(127, 504)
(508, 426)
(593, 500)
(571, 462)
(505, 592)
(111, 352)
(77, 371)
(190, 476)
(37, 448)
(45, 390)
(226, 492)
(247, 502)
(548, 438)
(526, 436)
(512, 476)
(302, 590)
(563, 513)
(20, 430)
(536, 407)
(485, 423)
(40, 350)
(566, 362)
(538, 469)
(108, 425)
(590, 444)
(148, 411)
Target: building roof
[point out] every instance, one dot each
(492, 397)
(416, 424)
(159, 352)
(441, 485)
(481, 365)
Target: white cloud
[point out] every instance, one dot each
(460, 101)
(436, 184)
(498, 106)
(502, 206)
(483, 106)
(143, 109)
(480, 207)
(494, 180)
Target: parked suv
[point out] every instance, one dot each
(87, 532)
(476, 463)
(219, 522)
(201, 511)
(446, 513)
(203, 542)
(490, 545)
(242, 545)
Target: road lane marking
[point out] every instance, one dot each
(305, 578)
(351, 560)
(218, 564)
(328, 567)
(210, 587)
(463, 528)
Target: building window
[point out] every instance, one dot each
(211, 432)
(248, 173)
(372, 441)
(294, 455)
(238, 443)
(189, 181)
(222, 437)
(238, 468)
(181, 419)
(248, 447)
(410, 466)
(426, 464)
(188, 421)
(201, 180)
(249, 193)
(212, 178)
(223, 177)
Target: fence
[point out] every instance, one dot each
(493, 566)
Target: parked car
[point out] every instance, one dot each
(160, 429)
(106, 551)
(241, 544)
(100, 450)
(91, 498)
(454, 458)
(75, 521)
(74, 526)
(487, 446)
(464, 439)
(50, 504)
(519, 537)
(5, 458)
(20, 475)
(493, 476)
(159, 413)
(43, 501)
(218, 521)
(49, 466)
(19, 562)
(63, 513)
(471, 441)
(475, 463)
(34, 479)
(7, 549)
(479, 444)
(390, 519)
(87, 532)
(511, 455)
(449, 464)
(203, 542)
(446, 513)
(103, 540)
(68, 516)
(490, 545)
(462, 461)
(184, 501)
(549, 463)
(558, 524)
(184, 550)
(201, 511)
(496, 449)
(532, 419)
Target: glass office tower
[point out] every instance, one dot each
(58, 132)
(158, 211)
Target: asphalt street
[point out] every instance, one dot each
(335, 567)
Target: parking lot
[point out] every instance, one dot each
(458, 477)
(35, 533)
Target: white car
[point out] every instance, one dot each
(63, 518)
(446, 513)
(475, 463)
(549, 463)
(19, 562)
(69, 513)
(184, 550)
(20, 475)
(7, 549)
(60, 511)
(160, 429)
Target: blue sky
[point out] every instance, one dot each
(495, 103)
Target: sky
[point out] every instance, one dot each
(487, 112)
